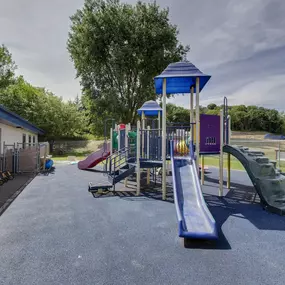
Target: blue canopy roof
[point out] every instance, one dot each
(150, 108)
(180, 76)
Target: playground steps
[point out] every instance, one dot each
(93, 188)
(121, 174)
(268, 180)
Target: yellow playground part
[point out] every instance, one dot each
(181, 148)
(194, 134)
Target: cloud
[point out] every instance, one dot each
(36, 33)
(240, 43)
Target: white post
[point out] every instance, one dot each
(164, 140)
(143, 134)
(126, 136)
(126, 146)
(119, 139)
(229, 129)
(147, 142)
(197, 123)
(159, 123)
(147, 155)
(229, 156)
(221, 188)
(138, 160)
(111, 141)
(191, 113)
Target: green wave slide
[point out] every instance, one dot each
(268, 181)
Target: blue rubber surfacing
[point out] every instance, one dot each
(55, 232)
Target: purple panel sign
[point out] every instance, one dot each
(209, 133)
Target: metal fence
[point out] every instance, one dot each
(21, 158)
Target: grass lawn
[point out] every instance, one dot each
(235, 164)
(214, 161)
(64, 157)
(80, 155)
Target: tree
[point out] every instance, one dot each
(57, 118)
(212, 106)
(177, 114)
(117, 49)
(7, 68)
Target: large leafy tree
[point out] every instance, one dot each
(7, 67)
(57, 118)
(117, 49)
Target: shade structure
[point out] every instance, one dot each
(150, 108)
(180, 77)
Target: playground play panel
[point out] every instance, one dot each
(55, 233)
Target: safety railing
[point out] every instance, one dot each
(151, 142)
(116, 161)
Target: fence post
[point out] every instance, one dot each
(4, 158)
(14, 158)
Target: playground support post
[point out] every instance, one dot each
(126, 147)
(119, 139)
(147, 155)
(191, 113)
(202, 170)
(143, 134)
(159, 119)
(221, 184)
(126, 135)
(111, 141)
(197, 123)
(138, 159)
(164, 140)
(229, 156)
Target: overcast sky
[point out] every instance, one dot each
(240, 43)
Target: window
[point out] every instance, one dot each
(24, 140)
(30, 140)
(34, 140)
(211, 141)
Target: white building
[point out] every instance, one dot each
(16, 130)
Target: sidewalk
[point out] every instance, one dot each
(11, 189)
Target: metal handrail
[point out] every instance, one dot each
(115, 161)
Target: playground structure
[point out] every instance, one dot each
(152, 143)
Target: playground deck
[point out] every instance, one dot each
(55, 232)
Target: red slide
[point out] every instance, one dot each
(94, 158)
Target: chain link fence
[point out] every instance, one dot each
(21, 158)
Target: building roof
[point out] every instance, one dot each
(10, 118)
(180, 77)
(150, 108)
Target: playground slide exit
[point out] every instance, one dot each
(194, 218)
(95, 158)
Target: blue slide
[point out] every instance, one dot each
(194, 217)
